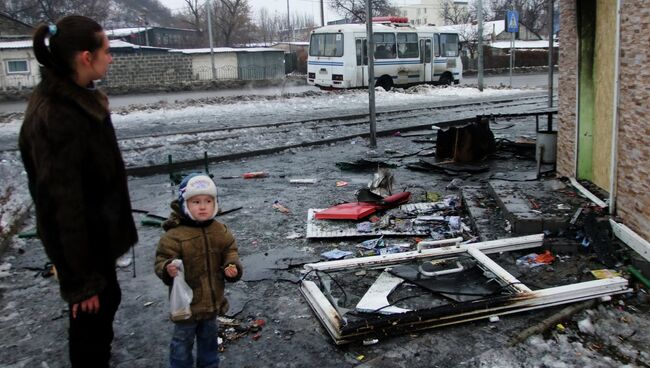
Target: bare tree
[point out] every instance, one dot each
(532, 13)
(233, 21)
(355, 10)
(452, 12)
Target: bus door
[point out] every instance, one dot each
(426, 59)
(361, 78)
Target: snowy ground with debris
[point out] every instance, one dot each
(33, 317)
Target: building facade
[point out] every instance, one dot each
(603, 92)
(427, 12)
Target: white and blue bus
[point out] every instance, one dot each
(404, 55)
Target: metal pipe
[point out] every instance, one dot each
(459, 268)
(371, 75)
(613, 168)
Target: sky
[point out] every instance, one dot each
(311, 7)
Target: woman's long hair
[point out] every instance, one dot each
(67, 37)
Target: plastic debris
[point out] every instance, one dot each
(454, 184)
(124, 261)
(494, 319)
(364, 227)
(370, 341)
(279, 207)
(454, 223)
(432, 197)
(605, 274)
(535, 260)
(336, 254)
(293, 235)
(303, 181)
(255, 174)
(372, 243)
(341, 183)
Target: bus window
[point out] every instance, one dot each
(326, 44)
(407, 45)
(427, 51)
(384, 46)
(449, 44)
(436, 45)
(362, 52)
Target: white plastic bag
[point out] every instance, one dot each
(181, 295)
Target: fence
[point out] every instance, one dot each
(494, 59)
(230, 72)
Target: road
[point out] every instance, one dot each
(518, 81)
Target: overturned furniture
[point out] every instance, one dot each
(373, 315)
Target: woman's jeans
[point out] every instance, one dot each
(180, 350)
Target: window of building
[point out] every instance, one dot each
(17, 66)
(407, 45)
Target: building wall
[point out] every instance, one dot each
(633, 151)
(568, 64)
(225, 65)
(633, 176)
(133, 71)
(18, 80)
(604, 91)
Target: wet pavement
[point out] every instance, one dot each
(33, 320)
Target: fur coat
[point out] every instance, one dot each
(78, 183)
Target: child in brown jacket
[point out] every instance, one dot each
(209, 254)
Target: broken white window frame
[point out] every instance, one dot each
(522, 299)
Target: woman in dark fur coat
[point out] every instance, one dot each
(77, 181)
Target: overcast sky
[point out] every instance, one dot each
(311, 7)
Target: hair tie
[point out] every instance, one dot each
(52, 29)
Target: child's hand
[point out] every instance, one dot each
(172, 270)
(230, 270)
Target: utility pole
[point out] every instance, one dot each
(550, 57)
(371, 75)
(479, 15)
(322, 14)
(209, 9)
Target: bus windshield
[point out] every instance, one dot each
(449, 44)
(326, 44)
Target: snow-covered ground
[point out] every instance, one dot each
(600, 337)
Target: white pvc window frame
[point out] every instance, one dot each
(10, 72)
(522, 299)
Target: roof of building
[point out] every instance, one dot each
(121, 32)
(519, 44)
(226, 49)
(22, 44)
(114, 44)
(496, 26)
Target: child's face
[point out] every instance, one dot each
(201, 207)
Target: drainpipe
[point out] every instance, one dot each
(577, 99)
(613, 169)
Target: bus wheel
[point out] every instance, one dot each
(385, 82)
(446, 79)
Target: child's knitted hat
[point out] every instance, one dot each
(193, 185)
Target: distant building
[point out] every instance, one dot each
(11, 28)
(427, 12)
(177, 38)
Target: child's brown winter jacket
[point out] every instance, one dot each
(205, 251)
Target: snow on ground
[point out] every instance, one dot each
(303, 106)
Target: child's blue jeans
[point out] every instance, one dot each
(180, 350)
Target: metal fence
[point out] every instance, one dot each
(252, 72)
